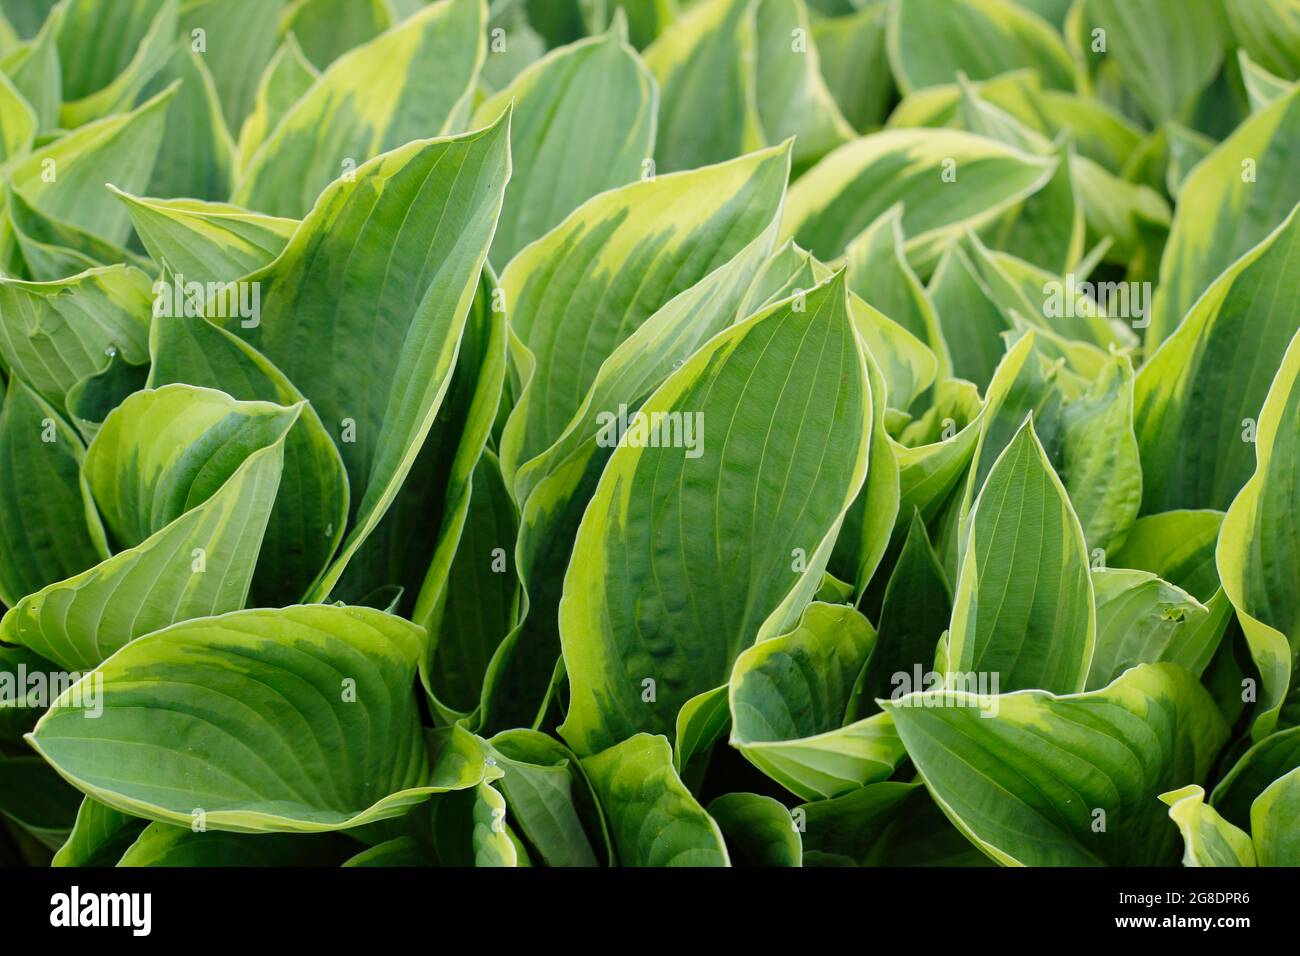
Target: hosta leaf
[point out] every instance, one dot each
(18, 121)
(50, 250)
(399, 248)
(1262, 87)
(1037, 779)
(1166, 51)
(930, 40)
(789, 697)
(470, 828)
(1024, 600)
(914, 614)
(1269, 30)
(590, 283)
(946, 180)
(1208, 839)
(1257, 558)
(583, 122)
(37, 800)
(54, 334)
(414, 545)
(757, 830)
(49, 529)
(1271, 758)
(792, 96)
(99, 836)
(1198, 397)
(204, 241)
(813, 413)
(108, 54)
(1144, 620)
(412, 82)
(1177, 546)
(166, 451)
(970, 321)
(549, 798)
(1229, 204)
(329, 28)
(36, 74)
(197, 156)
(237, 42)
(400, 851)
(298, 719)
(287, 77)
(851, 50)
(481, 595)
(199, 564)
(704, 63)
(65, 180)
(310, 511)
(653, 819)
(879, 272)
(1272, 822)
(161, 844)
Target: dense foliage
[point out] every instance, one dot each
(650, 432)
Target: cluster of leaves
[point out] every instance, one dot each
(965, 548)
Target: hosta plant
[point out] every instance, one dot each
(649, 432)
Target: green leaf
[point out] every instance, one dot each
(1268, 760)
(946, 180)
(18, 122)
(237, 44)
(930, 40)
(166, 451)
(200, 563)
(36, 799)
(1208, 839)
(1144, 620)
(287, 77)
(197, 156)
(161, 844)
(915, 613)
(758, 830)
(310, 511)
(481, 595)
(1262, 87)
(65, 180)
(704, 63)
(1198, 397)
(1269, 30)
(852, 53)
(206, 242)
(584, 122)
(1166, 51)
(653, 819)
(1256, 556)
(879, 272)
(1272, 822)
(1177, 546)
(410, 82)
(54, 334)
(1229, 204)
(789, 697)
(327, 29)
(800, 373)
(1024, 600)
(593, 281)
(1037, 779)
(36, 73)
(549, 798)
(406, 222)
(108, 55)
(99, 836)
(298, 719)
(49, 529)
